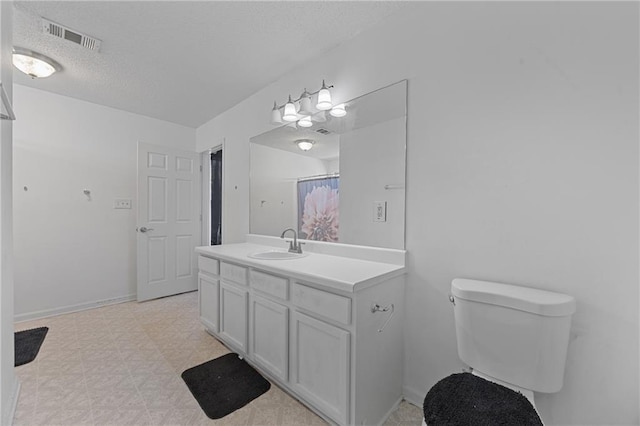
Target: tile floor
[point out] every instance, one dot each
(121, 365)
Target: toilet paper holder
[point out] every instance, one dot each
(379, 308)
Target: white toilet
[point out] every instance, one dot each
(515, 340)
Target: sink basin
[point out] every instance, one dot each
(276, 255)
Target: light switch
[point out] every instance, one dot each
(122, 203)
(379, 211)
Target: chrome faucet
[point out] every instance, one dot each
(294, 246)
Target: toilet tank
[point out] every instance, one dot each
(515, 334)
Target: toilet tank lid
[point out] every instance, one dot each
(540, 302)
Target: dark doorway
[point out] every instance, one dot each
(216, 198)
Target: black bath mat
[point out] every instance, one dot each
(464, 399)
(224, 384)
(27, 344)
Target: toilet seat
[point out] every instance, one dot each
(466, 399)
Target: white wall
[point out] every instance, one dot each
(274, 190)
(522, 168)
(71, 250)
(372, 157)
(8, 381)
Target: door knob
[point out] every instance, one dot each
(144, 229)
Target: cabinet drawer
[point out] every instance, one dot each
(269, 284)
(209, 265)
(235, 273)
(328, 305)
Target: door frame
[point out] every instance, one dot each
(205, 198)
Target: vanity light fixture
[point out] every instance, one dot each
(305, 103)
(290, 113)
(34, 64)
(305, 121)
(305, 144)
(324, 98)
(338, 111)
(276, 118)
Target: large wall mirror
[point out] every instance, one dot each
(342, 180)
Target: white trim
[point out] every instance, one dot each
(206, 192)
(73, 308)
(10, 415)
(390, 412)
(413, 396)
(205, 196)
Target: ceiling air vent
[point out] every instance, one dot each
(63, 32)
(323, 131)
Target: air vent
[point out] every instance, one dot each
(323, 131)
(73, 36)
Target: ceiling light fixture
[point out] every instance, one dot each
(34, 64)
(305, 144)
(306, 112)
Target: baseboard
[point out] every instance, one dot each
(73, 308)
(413, 396)
(13, 403)
(390, 412)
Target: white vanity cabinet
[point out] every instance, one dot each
(315, 336)
(320, 370)
(209, 291)
(234, 297)
(269, 336)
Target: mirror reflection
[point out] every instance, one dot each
(340, 180)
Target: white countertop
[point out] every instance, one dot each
(337, 272)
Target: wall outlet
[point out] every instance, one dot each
(122, 203)
(379, 211)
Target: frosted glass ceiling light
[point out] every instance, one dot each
(276, 118)
(34, 64)
(338, 111)
(324, 98)
(305, 144)
(290, 111)
(305, 121)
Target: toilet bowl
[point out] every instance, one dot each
(515, 340)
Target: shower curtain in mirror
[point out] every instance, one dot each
(318, 217)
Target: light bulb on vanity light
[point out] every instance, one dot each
(290, 111)
(276, 118)
(305, 103)
(338, 111)
(305, 121)
(324, 98)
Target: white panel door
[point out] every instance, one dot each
(168, 221)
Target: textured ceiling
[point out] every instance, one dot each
(181, 61)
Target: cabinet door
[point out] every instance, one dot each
(233, 316)
(209, 302)
(268, 334)
(320, 359)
